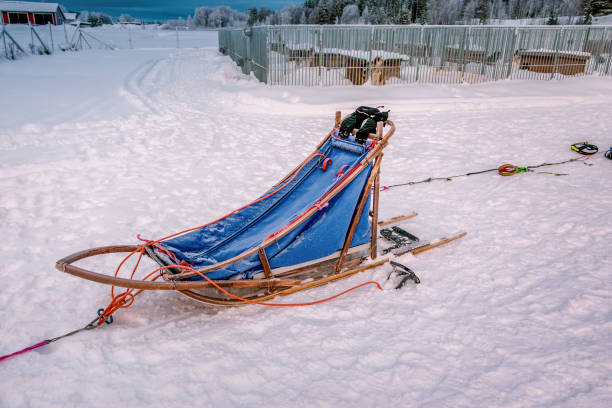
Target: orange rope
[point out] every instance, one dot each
(125, 299)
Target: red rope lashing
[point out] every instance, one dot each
(326, 163)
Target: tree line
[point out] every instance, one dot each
(390, 12)
(428, 11)
(401, 12)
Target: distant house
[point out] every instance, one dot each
(24, 12)
(70, 17)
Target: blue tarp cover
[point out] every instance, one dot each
(322, 235)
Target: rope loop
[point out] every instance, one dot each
(511, 169)
(585, 148)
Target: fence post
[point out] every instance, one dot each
(556, 59)
(248, 53)
(485, 57)
(31, 38)
(511, 52)
(609, 45)
(598, 52)
(586, 38)
(422, 47)
(267, 75)
(321, 56)
(4, 40)
(51, 35)
(371, 52)
(463, 45)
(130, 37)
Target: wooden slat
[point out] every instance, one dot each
(322, 281)
(395, 220)
(437, 244)
(329, 263)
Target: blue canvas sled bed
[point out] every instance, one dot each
(319, 219)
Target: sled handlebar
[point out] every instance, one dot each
(65, 265)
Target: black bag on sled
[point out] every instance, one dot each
(364, 118)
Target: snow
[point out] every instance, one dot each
(98, 146)
(603, 20)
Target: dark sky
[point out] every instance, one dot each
(163, 10)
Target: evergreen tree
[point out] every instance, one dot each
(464, 4)
(517, 12)
(361, 4)
(587, 10)
(422, 12)
(404, 16)
(419, 11)
(252, 16)
(482, 11)
(552, 17)
(601, 7)
(323, 15)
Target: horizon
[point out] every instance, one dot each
(159, 10)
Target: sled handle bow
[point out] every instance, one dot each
(65, 265)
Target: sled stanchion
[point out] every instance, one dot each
(374, 233)
(264, 263)
(338, 119)
(357, 215)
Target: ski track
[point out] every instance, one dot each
(516, 314)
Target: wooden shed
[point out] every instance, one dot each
(24, 12)
(562, 62)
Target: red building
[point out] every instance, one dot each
(24, 12)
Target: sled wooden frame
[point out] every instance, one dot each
(271, 285)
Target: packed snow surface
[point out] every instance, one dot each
(99, 146)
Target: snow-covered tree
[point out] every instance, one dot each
(323, 13)
(365, 16)
(125, 18)
(350, 14)
(400, 12)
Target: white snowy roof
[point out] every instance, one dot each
(28, 6)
